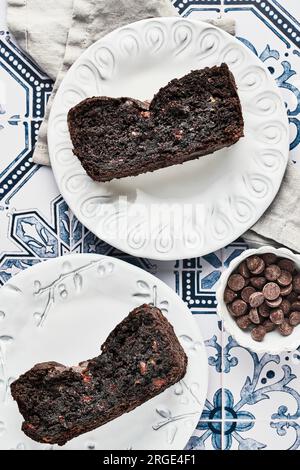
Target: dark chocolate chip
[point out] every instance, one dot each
(260, 268)
(285, 329)
(269, 258)
(285, 278)
(254, 316)
(285, 306)
(246, 292)
(256, 299)
(296, 283)
(271, 291)
(296, 306)
(229, 295)
(243, 269)
(277, 316)
(269, 326)
(294, 318)
(286, 264)
(274, 303)
(243, 322)
(292, 297)
(238, 308)
(258, 282)
(258, 333)
(254, 262)
(272, 272)
(264, 310)
(286, 290)
(236, 282)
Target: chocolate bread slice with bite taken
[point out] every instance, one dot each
(188, 118)
(140, 359)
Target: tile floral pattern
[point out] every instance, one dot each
(253, 401)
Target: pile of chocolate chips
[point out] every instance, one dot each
(264, 294)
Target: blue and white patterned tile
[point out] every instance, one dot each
(237, 436)
(201, 9)
(25, 91)
(289, 7)
(27, 87)
(183, 6)
(207, 436)
(16, 162)
(211, 329)
(262, 435)
(33, 216)
(275, 14)
(246, 435)
(259, 386)
(233, 250)
(34, 231)
(196, 281)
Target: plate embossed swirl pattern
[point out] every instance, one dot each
(63, 310)
(186, 210)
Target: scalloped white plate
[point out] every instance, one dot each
(63, 310)
(186, 210)
(273, 342)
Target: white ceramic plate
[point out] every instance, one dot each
(274, 342)
(186, 210)
(63, 310)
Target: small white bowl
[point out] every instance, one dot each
(273, 342)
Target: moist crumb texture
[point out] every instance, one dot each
(188, 118)
(140, 359)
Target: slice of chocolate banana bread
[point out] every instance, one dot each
(188, 118)
(140, 359)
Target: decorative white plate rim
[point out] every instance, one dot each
(73, 283)
(120, 212)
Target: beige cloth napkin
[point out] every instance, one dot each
(41, 28)
(55, 32)
(280, 224)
